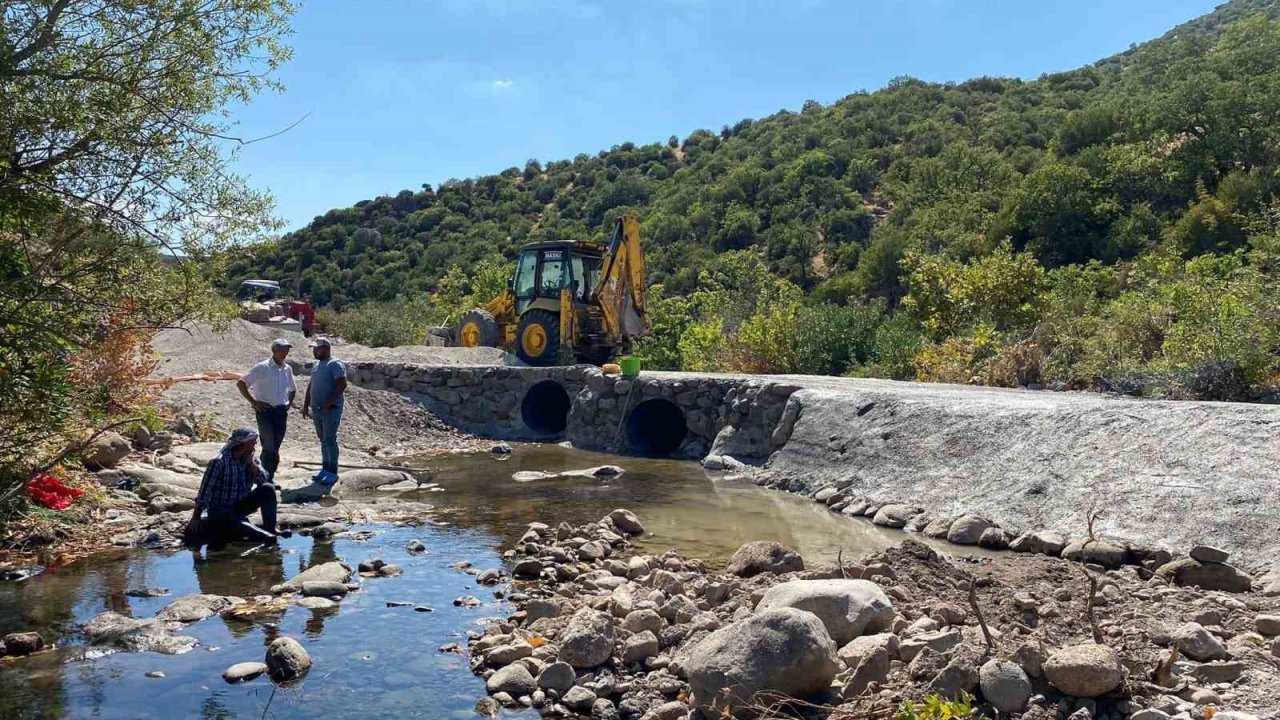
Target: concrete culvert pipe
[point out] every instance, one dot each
(545, 408)
(656, 428)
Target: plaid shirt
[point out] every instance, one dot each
(227, 481)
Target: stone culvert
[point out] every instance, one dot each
(656, 415)
(510, 403)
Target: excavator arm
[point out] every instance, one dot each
(621, 292)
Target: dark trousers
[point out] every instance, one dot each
(233, 523)
(271, 427)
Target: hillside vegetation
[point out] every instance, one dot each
(1115, 226)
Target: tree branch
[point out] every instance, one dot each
(45, 35)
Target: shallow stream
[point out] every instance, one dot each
(371, 660)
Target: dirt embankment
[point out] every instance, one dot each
(375, 422)
(1169, 473)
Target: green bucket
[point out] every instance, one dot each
(630, 366)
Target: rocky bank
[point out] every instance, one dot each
(607, 633)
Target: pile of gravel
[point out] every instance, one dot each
(373, 419)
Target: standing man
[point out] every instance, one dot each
(269, 387)
(324, 401)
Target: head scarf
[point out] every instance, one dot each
(238, 436)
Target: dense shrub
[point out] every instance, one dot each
(385, 324)
(832, 340)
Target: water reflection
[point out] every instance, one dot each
(681, 506)
(370, 660)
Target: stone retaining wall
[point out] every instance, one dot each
(722, 415)
(484, 400)
(742, 417)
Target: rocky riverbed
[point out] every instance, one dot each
(605, 633)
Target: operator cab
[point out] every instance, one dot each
(258, 290)
(544, 269)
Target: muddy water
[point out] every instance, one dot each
(371, 660)
(681, 505)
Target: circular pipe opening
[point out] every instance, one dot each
(545, 408)
(656, 428)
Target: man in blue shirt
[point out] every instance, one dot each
(324, 400)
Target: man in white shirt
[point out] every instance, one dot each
(269, 387)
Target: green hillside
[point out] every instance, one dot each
(1113, 226)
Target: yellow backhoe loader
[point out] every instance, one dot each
(567, 301)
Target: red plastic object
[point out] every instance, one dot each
(49, 491)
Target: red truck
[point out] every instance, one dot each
(262, 302)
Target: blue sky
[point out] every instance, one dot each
(397, 93)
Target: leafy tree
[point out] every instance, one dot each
(1002, 291)
(114, 192)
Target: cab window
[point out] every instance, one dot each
(526, 275)
(586, 271)
(554, 275)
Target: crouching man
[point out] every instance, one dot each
(234, 486)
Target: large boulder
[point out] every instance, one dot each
(1206, 575)
(1086, 670)
(626, 521)
(868, 662)
(640, 647)
(895, 515)
(333, 571)
(785, 651)
(764, 556)
(196, 607)
(126, 633)
(22, 643)
(1108, 554)
(587, 641)
(1042, 542)
(967, 530)
(514, 680)
(1198, 643)
(558, 676)
(287, 660)
(106, 450)
(847, 608)
(1004, 685)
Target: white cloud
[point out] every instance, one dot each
(502, 84)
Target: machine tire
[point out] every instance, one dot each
(538, 338)
(477, 328)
